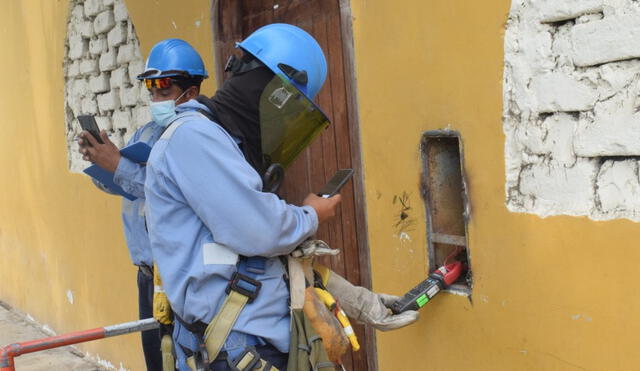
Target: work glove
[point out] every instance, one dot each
(312, 248)
(364, 305)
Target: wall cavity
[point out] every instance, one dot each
(101, 63)
(571, 108)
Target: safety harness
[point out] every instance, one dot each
(243, 288)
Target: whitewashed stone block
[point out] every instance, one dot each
(77, 12)
(86, 29)
(73, 69)
(557, 92)
(611, 39)
(108, 61)
(109, 101)
(554, 10)
(121, 119)
(80, 87)
(141, 115)
(89, 66)
(93, 7)
(98, 45)
(120, 12)
(99, 84)
(89, 106)
(104, 123)
(136, 67)
(129, 96)
(77, 47)
(126, 54)
(558, 189)
(104, 22)
(117, 36)
(119, 77)
(619, 186)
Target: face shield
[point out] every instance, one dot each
(289, 121)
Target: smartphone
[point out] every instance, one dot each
(88, 123)
(337, 181)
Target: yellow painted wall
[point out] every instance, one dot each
(57, 231)
(549, 294)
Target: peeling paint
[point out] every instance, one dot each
(70, 296)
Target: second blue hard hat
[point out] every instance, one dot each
(173, 57)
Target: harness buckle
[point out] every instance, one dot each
(244, 285)
(249, 359)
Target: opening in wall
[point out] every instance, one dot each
(445, 194)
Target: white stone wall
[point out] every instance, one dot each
(572, 108)
(101, 63)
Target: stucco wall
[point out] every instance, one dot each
(63, 256)
(549, 294)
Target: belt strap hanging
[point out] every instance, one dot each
(166, 347)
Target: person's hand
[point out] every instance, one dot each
(106, 155)
(366, 306)
(312, 248)
(325, 207)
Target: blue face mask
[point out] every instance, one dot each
(163, 113)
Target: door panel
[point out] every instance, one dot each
(337, 147)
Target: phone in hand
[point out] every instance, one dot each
(88, 123)
(335, 183)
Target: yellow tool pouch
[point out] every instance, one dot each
(307, 350)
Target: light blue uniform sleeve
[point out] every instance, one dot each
(130, 176)
(225, 192)
(103, 187)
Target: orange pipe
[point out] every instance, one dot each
(9, 352)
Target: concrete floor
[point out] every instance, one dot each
(16, 327)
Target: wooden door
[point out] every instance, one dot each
(329, 21)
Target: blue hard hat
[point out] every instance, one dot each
(173, 57)
(289, 50)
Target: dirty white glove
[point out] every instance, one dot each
(311, 248)
(368, 307)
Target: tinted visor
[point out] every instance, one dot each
(289, 121)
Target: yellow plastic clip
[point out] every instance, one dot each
(331, 303)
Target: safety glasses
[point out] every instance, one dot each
(160, 83)
(289, 121)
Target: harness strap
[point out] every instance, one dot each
(166, 348)
(243, 289)
(218, 329)
(250, 360)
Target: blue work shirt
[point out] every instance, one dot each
(131, 176)
(205, 207)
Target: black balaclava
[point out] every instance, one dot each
(236, 106)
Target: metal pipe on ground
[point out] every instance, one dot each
(9, 352)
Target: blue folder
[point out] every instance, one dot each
(137, 152)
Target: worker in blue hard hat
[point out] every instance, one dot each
(173, 74)
(216, 233)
